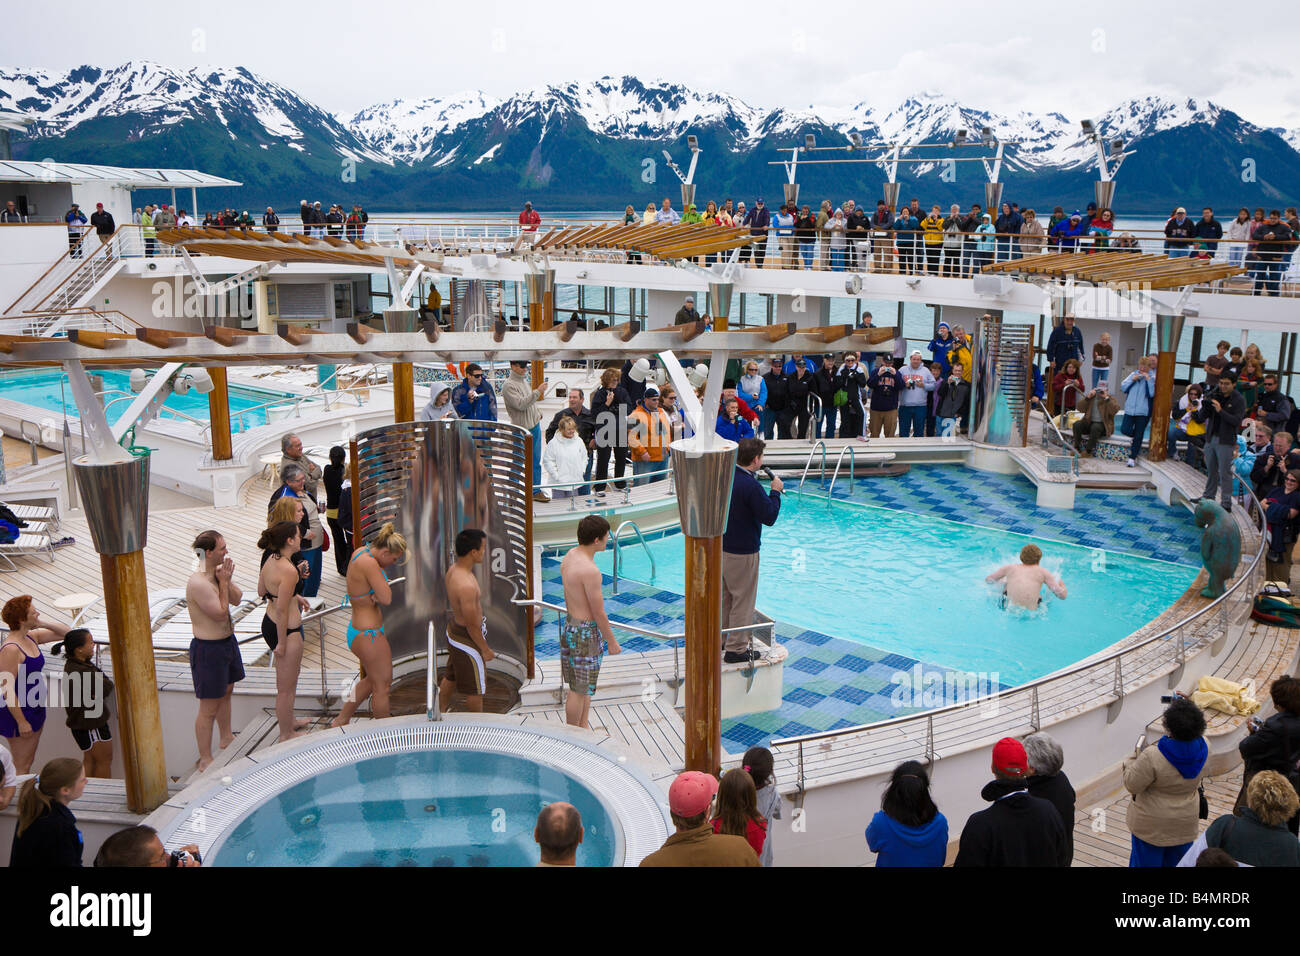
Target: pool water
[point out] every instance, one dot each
(914, 585)
(431, 808)
(42, 390)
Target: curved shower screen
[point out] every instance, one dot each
(433, 480)
(1001, 381)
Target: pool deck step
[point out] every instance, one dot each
(621, 675)
(652, 729)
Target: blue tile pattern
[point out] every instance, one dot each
(832, 683)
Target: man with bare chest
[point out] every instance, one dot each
(215, 664)
(585, 623)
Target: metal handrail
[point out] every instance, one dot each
(641, 538)
(1243, 581)
(629, 480)
(816, 418)
(853, 470)
(808, 464)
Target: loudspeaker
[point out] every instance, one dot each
(992, 284)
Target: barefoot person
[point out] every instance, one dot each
(22, 685)
(282, 624)
(468, 651)
(585, 622)
(368, 591)
(215, 664)
(1022, 584)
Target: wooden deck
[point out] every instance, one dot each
(1101, 834)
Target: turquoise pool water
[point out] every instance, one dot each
(42, 390)
(914, 585)
(433, 808)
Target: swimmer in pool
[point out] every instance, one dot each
(1022, 584)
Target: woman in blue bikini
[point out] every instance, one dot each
(368, 591)
(282, 625)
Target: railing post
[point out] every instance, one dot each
(1035, 720)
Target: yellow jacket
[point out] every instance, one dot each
(933, 229)
(644, 436)
(960, 352)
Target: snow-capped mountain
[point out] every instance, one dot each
(146, 98)
(592, 142)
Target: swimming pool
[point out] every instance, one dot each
(406, 791)
(41, 389)
(914, 585)
(435, 808)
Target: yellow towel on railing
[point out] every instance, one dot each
(1224, 696)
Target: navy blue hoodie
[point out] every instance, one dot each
(898, 845)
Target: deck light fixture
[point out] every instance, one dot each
(809, 141)
(1088, 128)
(693, 142)
(986, 135)
(959, 138)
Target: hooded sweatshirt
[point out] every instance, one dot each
(896, 844)
(432, 413)
(564, 460)
(1163, 780)
(939, 347)
(1017, 830)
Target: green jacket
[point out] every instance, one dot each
(146, 224)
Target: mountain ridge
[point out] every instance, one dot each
(596, 142)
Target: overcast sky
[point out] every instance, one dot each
(1078, 58)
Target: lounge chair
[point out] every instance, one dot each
(37, 515)
(32, 543)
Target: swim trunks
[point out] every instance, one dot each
(1003, 601)
(465, 667)
(580, 655)
(214, 666)
(31, 684)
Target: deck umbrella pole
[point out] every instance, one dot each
(399, 319)
(1169, 330)
(115, 495)
(541, 309)
(219, 415)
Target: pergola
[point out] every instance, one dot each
(1120, 267)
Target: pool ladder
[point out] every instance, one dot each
(640, 537)
(853, 467)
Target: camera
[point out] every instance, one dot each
(179, 857)
(561, 391)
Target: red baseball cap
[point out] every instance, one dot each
(691, 793)
(1009, 757)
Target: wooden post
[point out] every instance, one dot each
(403, 392)
(545, 321)
(115, 496)
(1168, 330)
(126, 605)
(219, 415)
(703, 670)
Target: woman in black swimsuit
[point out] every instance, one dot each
(282, 625)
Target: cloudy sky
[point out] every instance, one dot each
(1078, 59)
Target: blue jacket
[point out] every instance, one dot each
(483, 408)
(939, 349)
(751, 508)
(1063, 346)
(1038, 383)
(742, 428)
(908, 229)
(897, 845)
(1139, 392)
(1067, 236)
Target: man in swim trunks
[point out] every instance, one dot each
(585, 622)
(468, 652)
(1022, 584)
(215, 664)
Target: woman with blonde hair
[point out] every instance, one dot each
(47, 834)
(648, 217)
(368, 591)
(1258, 836)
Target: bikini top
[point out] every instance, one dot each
(348, 597)
(267, 593)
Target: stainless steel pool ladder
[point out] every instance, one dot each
(853, 470)
(641, 538)
(820, 443)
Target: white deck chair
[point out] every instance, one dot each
(31, 543)
(37, 515)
